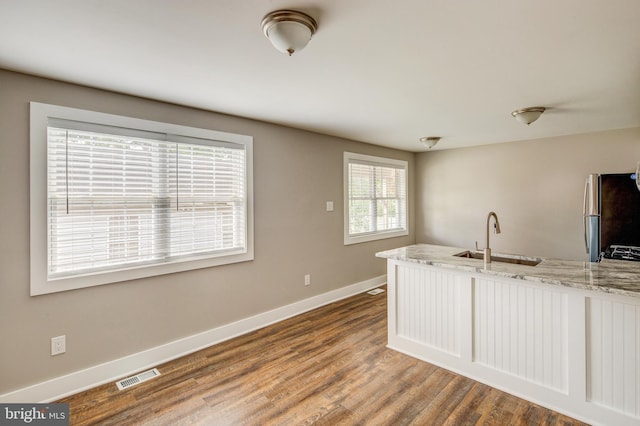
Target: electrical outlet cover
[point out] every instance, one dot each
(58, 345)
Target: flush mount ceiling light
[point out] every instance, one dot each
(528, 115)
(289, 30)
(430, 141)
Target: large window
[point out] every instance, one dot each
(115, 198)
(375, 198)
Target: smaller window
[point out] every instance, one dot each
(375, 198)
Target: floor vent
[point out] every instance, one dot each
(375, 291)
(137, 379)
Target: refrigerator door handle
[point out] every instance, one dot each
(585, 218)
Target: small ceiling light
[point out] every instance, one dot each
(289, 30)
(430, 142)
(528, 115)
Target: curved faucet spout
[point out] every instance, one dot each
(497, 225)
(487, 250)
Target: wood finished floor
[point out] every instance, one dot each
(329, 366)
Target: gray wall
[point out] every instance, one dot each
(535, 187)
(295, 172)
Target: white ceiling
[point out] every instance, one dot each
(378, 71)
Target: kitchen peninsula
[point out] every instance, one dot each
(564, 334)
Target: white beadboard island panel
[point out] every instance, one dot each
(613, 354)
(429, 307)
(521, 330)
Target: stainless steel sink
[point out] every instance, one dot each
(505, 258)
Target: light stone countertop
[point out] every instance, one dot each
(609, 276)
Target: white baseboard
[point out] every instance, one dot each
(75, 382)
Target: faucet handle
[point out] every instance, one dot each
(477, 249)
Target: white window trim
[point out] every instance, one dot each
(381, 161)
(40, 114)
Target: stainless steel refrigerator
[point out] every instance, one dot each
(612, 216)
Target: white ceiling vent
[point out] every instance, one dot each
(138, 378)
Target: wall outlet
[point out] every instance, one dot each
(329, 206)
(307, 279)
(58, 345)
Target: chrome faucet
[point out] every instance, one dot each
(496, 226)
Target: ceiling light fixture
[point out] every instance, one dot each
(528, 115)
(430, 141)
(289, 30)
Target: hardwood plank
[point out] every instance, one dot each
(329, 366)
(497, 407)
(466, 412)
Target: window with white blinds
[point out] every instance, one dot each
(375, 198)
(145, 199)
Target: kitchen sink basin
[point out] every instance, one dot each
(505, 258)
